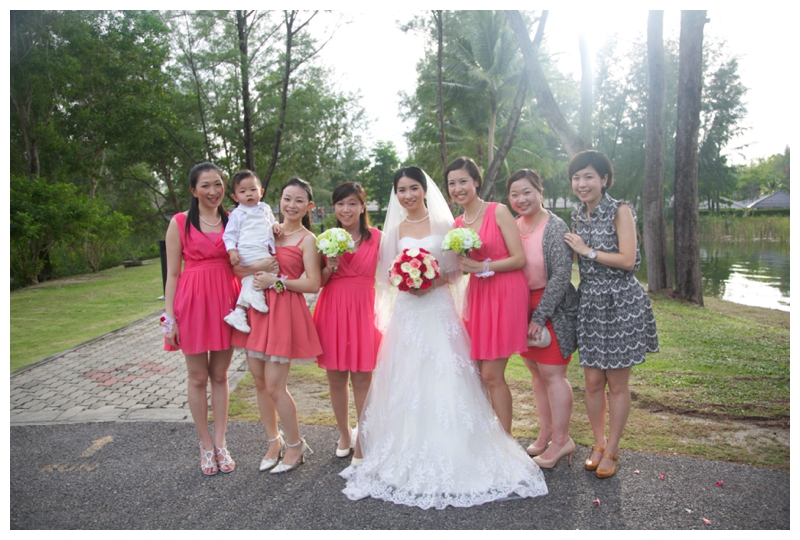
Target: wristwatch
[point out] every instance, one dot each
(592, 255)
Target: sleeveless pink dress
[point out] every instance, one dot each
(345, 311)
(287, 330)
(497, 306)
(207, 291)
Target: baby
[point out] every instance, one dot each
(249, 237)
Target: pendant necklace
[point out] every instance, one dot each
(465, 220)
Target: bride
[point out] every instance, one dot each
(428, 432)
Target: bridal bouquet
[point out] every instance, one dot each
(461, 240)
(414, 268)
(335, 242)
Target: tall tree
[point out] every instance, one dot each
(438, 19)
(585, 126)
(655, 233)
(572, 142)
(688, 278)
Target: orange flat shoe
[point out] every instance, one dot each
(592, 465)
(607, 473)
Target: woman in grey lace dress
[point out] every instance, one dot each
(616, 326)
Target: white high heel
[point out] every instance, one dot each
(283, 467)
(267, 464)
(344, 452)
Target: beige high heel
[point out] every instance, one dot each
(567, 449)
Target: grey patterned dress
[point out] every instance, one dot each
(616, 326)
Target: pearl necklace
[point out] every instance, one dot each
(359, 239)
(210, 224)
(465, 220)
(294, 231)
(418, 220)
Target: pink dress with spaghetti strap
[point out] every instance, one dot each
(287, 331)
(345, 311)
(206, 292)
(497, 306)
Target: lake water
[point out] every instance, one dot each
(749, 273)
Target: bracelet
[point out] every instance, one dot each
(279, 285)
(486, 272)
(167, 322)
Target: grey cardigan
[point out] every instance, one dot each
(559, 301)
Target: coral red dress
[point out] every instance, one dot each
(345, 311)
(207, 291)
(286, 333)
(497, 306)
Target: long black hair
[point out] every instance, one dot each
(193, 217)
(306, 221)
(344, 190)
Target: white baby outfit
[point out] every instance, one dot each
(249, 231)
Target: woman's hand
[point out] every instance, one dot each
(534, 331)
(263, 280)
(174, 336)
(333, 262)
(576, 243)
(422, 292)
(470, 266)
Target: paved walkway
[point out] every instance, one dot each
(124, 375)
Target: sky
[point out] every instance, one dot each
(372, 55)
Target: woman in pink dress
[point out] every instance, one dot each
(345, 313)
(497, 297)
(196, 300)
(286, 334)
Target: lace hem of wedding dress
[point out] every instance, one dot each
(360, 486)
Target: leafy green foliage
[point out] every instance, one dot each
(41, 215)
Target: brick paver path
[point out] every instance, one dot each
(123, 375)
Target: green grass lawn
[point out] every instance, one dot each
(56, 315)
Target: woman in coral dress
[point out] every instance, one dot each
(496, 309)
(196, 300)
(345, 313)
(286, 334)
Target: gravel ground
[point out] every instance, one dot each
(145, 475)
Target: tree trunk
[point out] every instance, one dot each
(492, 127)
(655, 232)
(571, 141)
(688, 282)
(289, 18)
(438, 18)
(247, 134)
(490, 178)
(585, 127)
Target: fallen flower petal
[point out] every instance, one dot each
(707, 522)
(662, 476)
(636, 471)
(597, 502)
(720, 484)
(688, 510)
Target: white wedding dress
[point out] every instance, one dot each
(428, 433)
